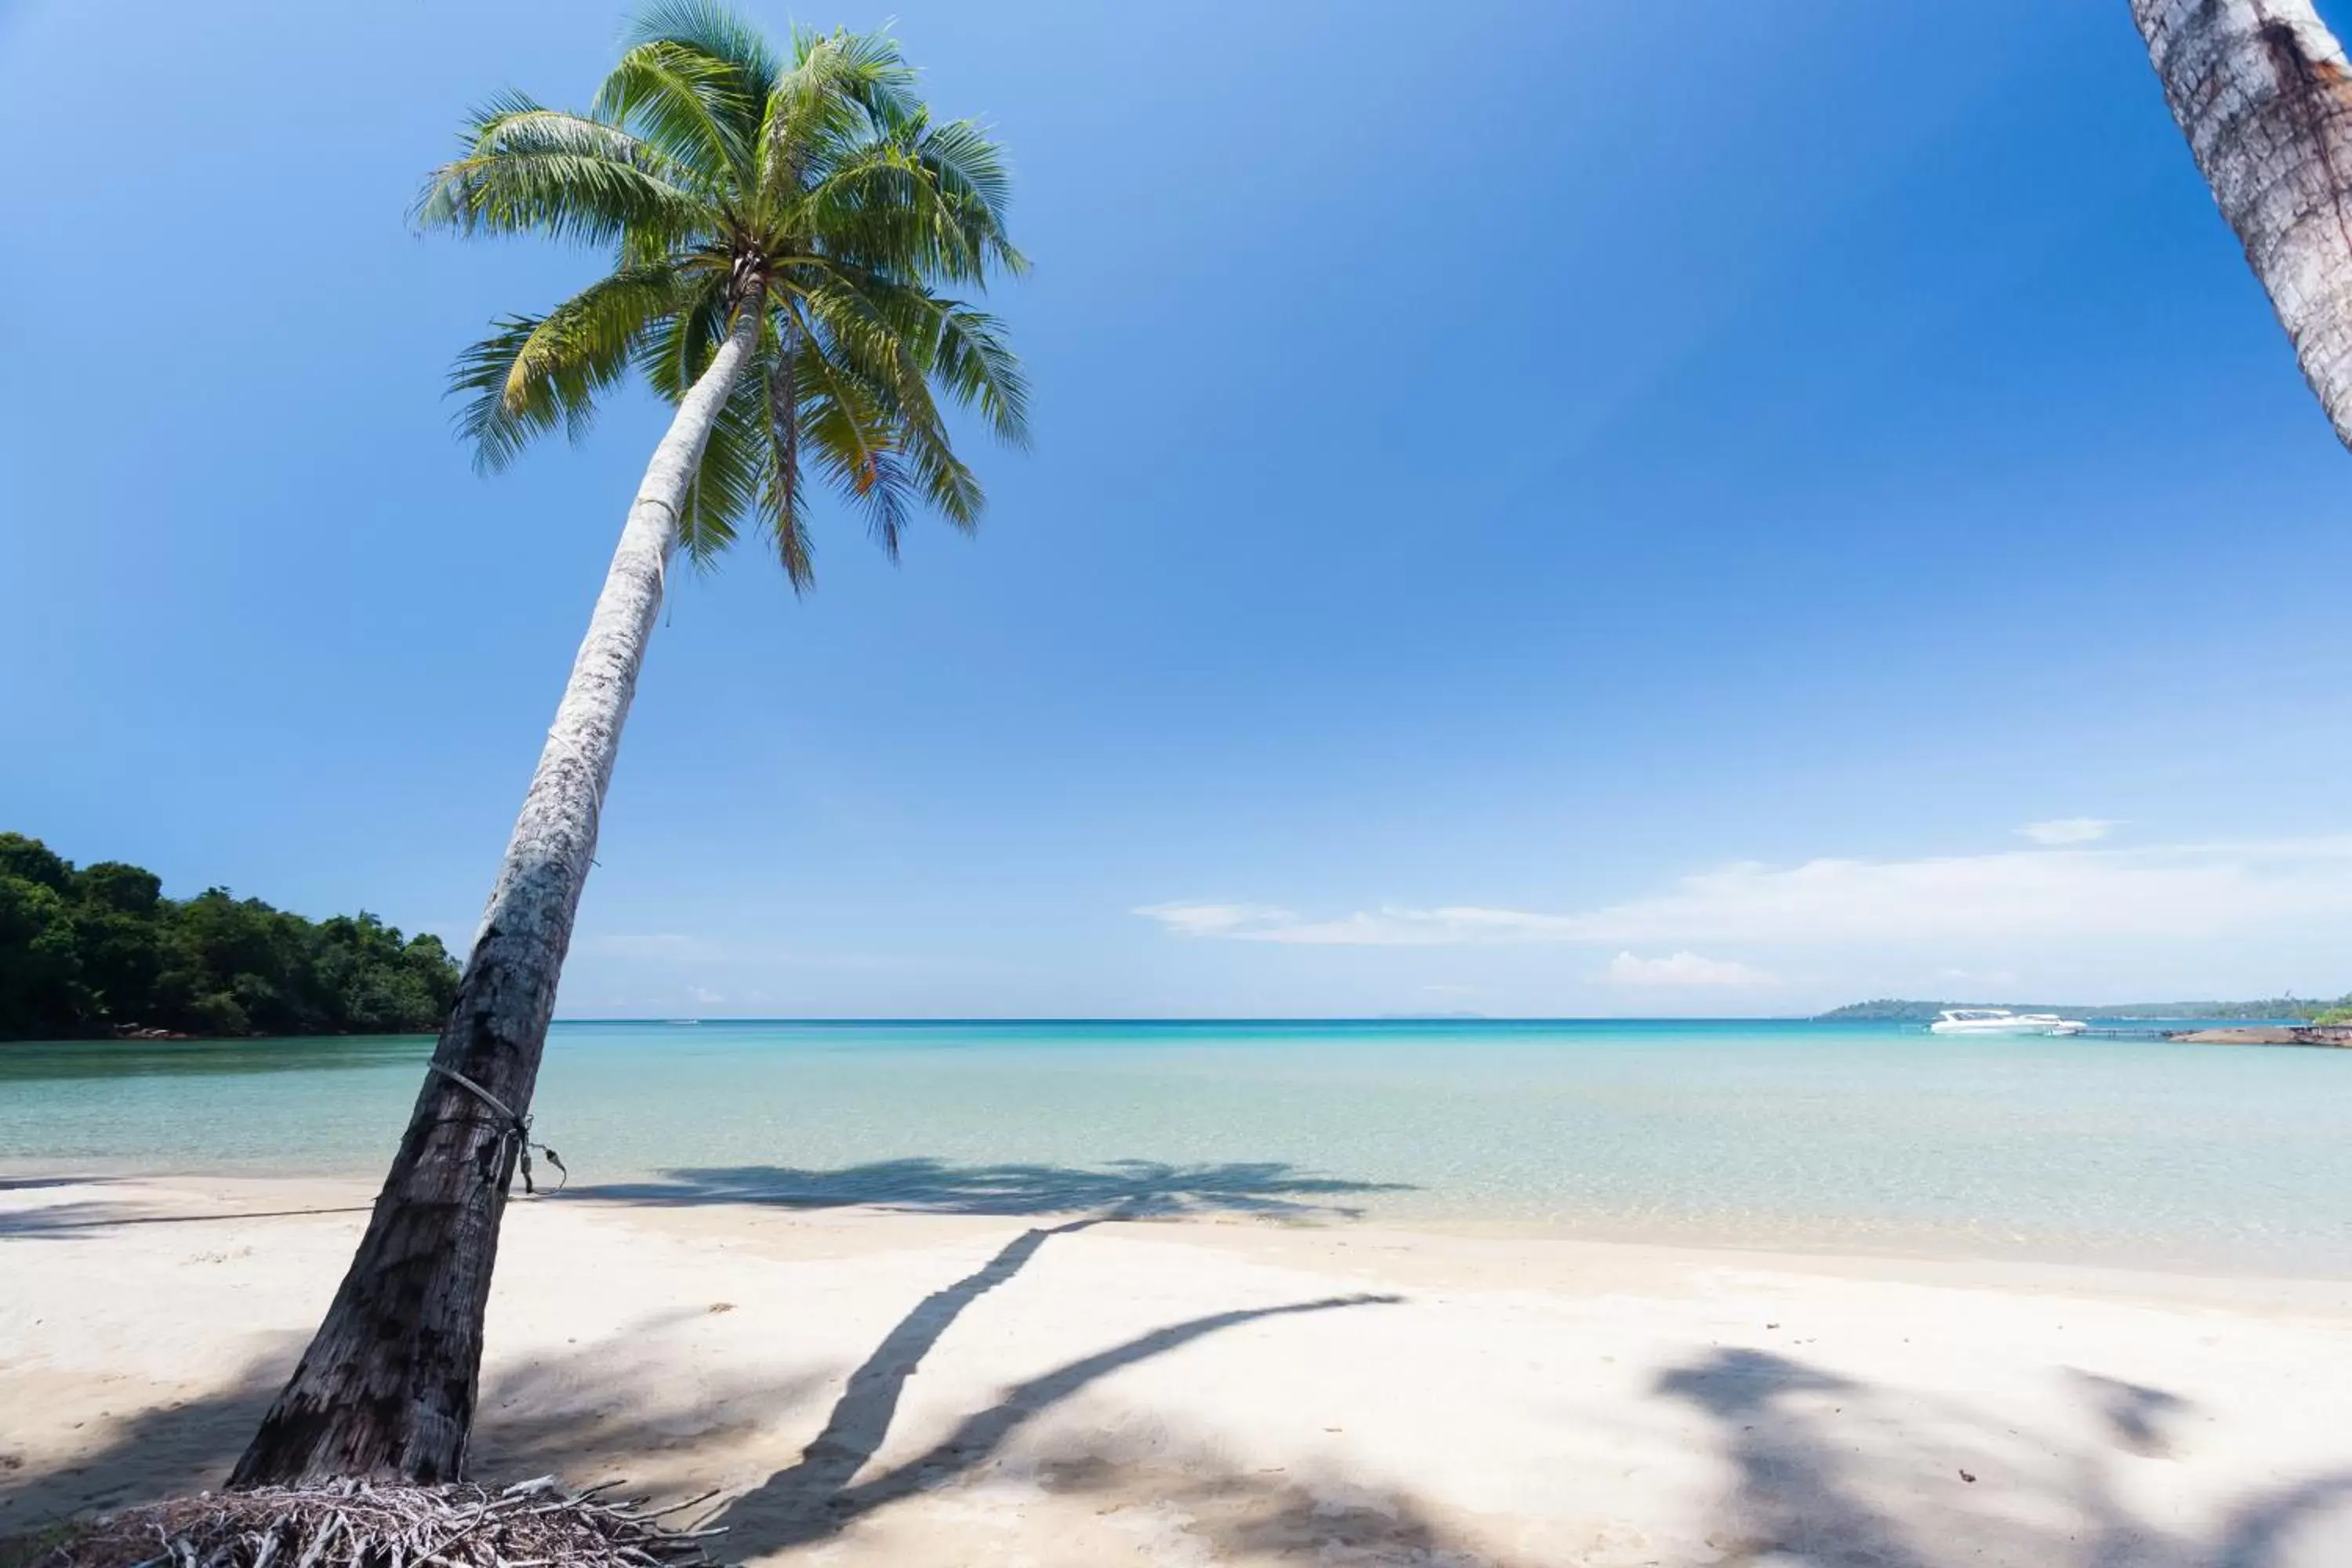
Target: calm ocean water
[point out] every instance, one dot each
(1778, 1134)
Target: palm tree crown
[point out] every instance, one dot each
(816, 190)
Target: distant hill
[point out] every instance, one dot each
(1889, 1010)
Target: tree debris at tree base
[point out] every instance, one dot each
(359, 1524)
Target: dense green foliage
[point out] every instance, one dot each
(811, 186)
(88, 951)
(1890, 1010)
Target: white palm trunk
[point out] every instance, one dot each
(387, 1386)
(2263, 92)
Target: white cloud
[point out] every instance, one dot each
(2191, 890)
(1386, 927)
(1684, 968)
(1218, 919)
(2068, 830)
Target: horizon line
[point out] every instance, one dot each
(1214, 1018)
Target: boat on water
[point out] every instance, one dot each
(2002, 1021)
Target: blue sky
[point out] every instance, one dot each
(1626, 508)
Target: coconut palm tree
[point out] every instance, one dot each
(782, 226)
(2261, 90)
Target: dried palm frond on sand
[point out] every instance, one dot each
(357, 1524)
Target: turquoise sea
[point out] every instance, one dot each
(2117, 1150)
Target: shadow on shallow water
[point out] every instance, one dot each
(1125, 1189)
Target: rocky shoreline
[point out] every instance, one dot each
(2336, 1034)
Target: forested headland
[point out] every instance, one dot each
(97, 950)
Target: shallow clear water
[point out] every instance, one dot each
(2137, 1151)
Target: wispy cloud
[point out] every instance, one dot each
(1386, 927)
(1218, 919)
(2060, 830)
(2175, 890)
(1683, 968)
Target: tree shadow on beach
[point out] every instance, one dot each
(614, 1400)
(1130, 1189)
(178, 1447)
(68, 1216)
(56, 1217)
(1827, 1471)
(1832, 1471)
(61, 1221)
(617, 1402)
(64, 1219)
(819, 1495)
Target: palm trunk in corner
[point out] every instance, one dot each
(2261, 90)
(387, 1388)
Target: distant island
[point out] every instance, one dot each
(99, 951)
(1889, 1010)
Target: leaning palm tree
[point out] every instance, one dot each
(781, 228)
(2263, 92)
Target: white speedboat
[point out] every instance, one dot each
(2002, 1021)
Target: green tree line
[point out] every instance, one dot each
(98, 949)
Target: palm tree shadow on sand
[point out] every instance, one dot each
(819, 1496)
(1123, 1189)
(1831, 1472)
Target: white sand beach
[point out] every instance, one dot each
(870, 1387)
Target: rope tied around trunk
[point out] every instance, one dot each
(517, 1128)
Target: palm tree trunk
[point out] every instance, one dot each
(387, 1388)
(2263, 92)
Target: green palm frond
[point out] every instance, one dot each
(881, 210)
(812, 185)
(715, 32)
(942, 477)
(814, 116)
(538, 374)
(677, 349)
(885, 364)
(498, 433)
(727, 482)
(531, 169)
(846, 430)
(690, 106)
(923, 200)
(959, 348)
(784, 507)
(868, 68)
(968, 166)
(971, 359)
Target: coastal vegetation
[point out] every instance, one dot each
(1894, 1010)
(97, 950)
(780, 226)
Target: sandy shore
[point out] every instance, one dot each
(871, 1388)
